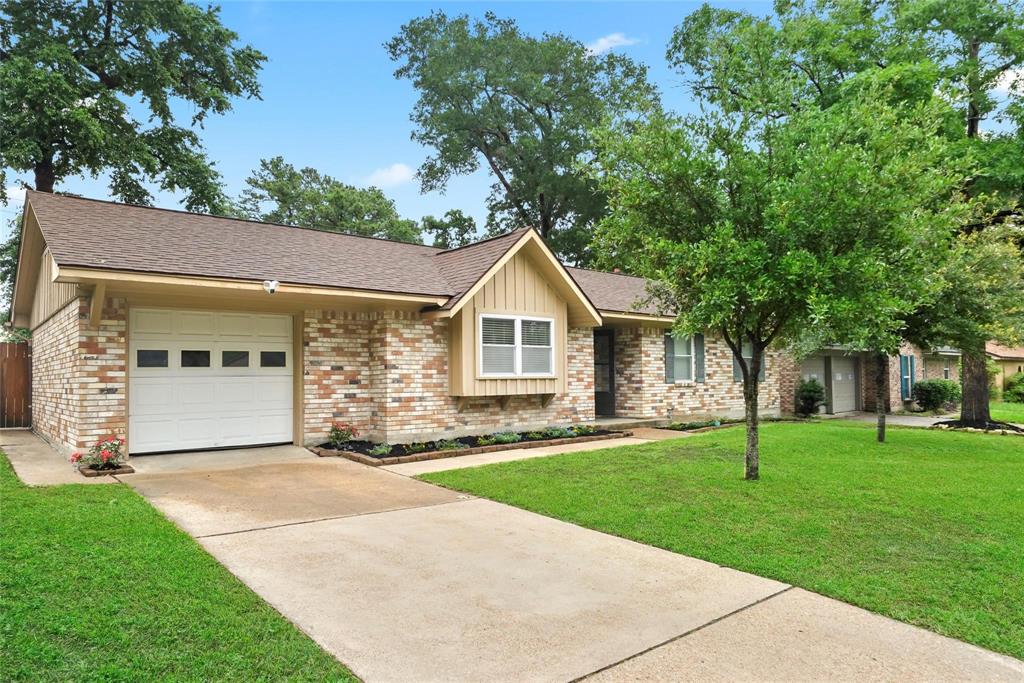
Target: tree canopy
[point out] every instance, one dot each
(455, 229)
(277, 192)
(523, 107)
(77, 80)
(757, 227)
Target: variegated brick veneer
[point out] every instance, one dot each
(641, 389)
(387, 374)
(78, 376)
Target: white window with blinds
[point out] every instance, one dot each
(682, 359)
(516, 346)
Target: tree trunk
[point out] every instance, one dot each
(973, 110)
(44, 176)
(881, 392)
(974, 409)
(752, 455)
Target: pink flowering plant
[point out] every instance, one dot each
(105, 454)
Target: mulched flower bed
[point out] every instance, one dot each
(990, 428)
(360, 451)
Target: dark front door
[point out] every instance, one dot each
(604, 372)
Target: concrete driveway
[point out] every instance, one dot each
(404, 581)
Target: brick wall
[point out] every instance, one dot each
(387, 373)
(641, 390)
(78, 376)
(54, 358)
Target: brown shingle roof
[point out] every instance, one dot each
(615, 291)
(92, 233)
(1007, 352)
(98, 234)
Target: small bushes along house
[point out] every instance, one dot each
(936, 394)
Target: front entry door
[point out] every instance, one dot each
(604, 372)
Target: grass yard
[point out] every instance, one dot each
(926, 528)
(1007, 412)
(96, 585)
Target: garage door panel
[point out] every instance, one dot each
(181, 408)
(273, 327)
(844, 384)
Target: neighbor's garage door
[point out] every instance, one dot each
(200, 379)
(844, 384)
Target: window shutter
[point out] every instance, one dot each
(910, 387)
(670, 352)
(903, 377)
(698, 351)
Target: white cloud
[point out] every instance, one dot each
(15, 195)
(610, 42)
(395, 174)
(1007, 80)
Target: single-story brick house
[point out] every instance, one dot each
(184, 331)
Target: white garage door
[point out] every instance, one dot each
(844, 384)
(200, 379)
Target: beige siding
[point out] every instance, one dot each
(519, 288)
(50, 296)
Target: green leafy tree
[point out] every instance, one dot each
(757, 227)
(970, 51)
(277, 192)
(74, 77)
(523, 107)
(455, 229)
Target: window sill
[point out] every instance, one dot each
(489, 377)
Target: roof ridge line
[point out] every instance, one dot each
(483, 241)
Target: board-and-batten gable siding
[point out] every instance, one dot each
(518, 288)
(50, 296)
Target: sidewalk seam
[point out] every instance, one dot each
(682, 635)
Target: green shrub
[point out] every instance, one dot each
(506, 437)
(449, 445)
(417, 447)
(932, 394)
(1014, 392)
(486, 440)
(584, 430)
(810, 396)
(380, 450)
(535, 436)
(559, 433)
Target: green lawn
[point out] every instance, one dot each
(96, 585)
(1007, 412)
(926, 528)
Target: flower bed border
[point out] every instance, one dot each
(89, 472)
(454, 453)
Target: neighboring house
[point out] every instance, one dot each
(1009, 359)
(184, 331)
(849, 377)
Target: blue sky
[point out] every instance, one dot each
(330, 99)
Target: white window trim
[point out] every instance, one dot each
(693, 360)
(517, 354)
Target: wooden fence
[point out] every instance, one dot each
(15, 385)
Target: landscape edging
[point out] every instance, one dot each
(437, 455)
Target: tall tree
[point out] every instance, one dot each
(756, 227)
(971, 51)
(455, 229)
(75, 77)
(979, 48)
(279, 193)
(524, 107)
